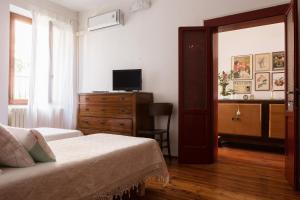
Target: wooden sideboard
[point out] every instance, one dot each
(117, 113)
(257, 122)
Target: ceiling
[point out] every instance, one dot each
(79, 5)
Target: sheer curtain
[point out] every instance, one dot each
(52, 101)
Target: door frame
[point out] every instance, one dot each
(250, 19)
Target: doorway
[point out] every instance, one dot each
(198, 83)
(251, 92)
(283, 14)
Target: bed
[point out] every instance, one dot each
(98, 166)
(51, 134)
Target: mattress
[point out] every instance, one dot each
(51, 134)
(90, 167)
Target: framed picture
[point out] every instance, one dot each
(278, 59)
(242, 87)
(278, 81)
(262, 81)
(263, 62)
(242, 67)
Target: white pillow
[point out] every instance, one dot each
(34, 143)
(12, 153)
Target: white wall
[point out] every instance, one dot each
(4, 59)
(262, 39)
(149, 40)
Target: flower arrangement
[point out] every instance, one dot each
(224, 80)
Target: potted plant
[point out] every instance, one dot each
(224, 81)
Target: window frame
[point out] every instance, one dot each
(14, 17)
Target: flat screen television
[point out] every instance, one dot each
(127, 80)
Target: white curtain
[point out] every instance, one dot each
(52, 101)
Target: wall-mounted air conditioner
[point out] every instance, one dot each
(105, 20)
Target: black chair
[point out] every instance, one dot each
(157, 110)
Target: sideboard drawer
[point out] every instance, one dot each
(248, 123)
(105, 99)
(277, 121)
(105, 111)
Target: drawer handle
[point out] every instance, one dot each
(87, 99)
(86, 122)
(121, 124)
(87, 109)
(103, 110)
(102, 123)
(103, 99)
(123, 111)
(236, 119)
(122, 98)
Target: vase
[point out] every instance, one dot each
(225, 95)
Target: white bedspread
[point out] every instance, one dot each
(88, 167)
(51, 134)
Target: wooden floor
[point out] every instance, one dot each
(238, 175)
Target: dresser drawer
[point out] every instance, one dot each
(90, 131)
(105, 111)
(248, 124)
(121, 125)
(105, 99)
(94, 123)
(94, 131)
(106, 124)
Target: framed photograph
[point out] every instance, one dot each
(262, 81)
(278, 81)
(242, 67)
(242, 87)
(263, 62)
(278, 59)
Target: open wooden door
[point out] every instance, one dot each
(196, 138)
(292, 94)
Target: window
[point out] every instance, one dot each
(20, 58)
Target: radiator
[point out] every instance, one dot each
(17, 117)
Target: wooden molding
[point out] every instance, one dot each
(266, 13)
(14, 17)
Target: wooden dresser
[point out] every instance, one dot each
(117, 113)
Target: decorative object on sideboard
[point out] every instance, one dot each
(224, 81)
(242, 67)
(262, 81)
(139, 5)
(278, 60)
(245, 97)
(237, 114)
(272, 95)
(278, 81)
(263, 62)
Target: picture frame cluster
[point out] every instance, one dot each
(265, 65)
